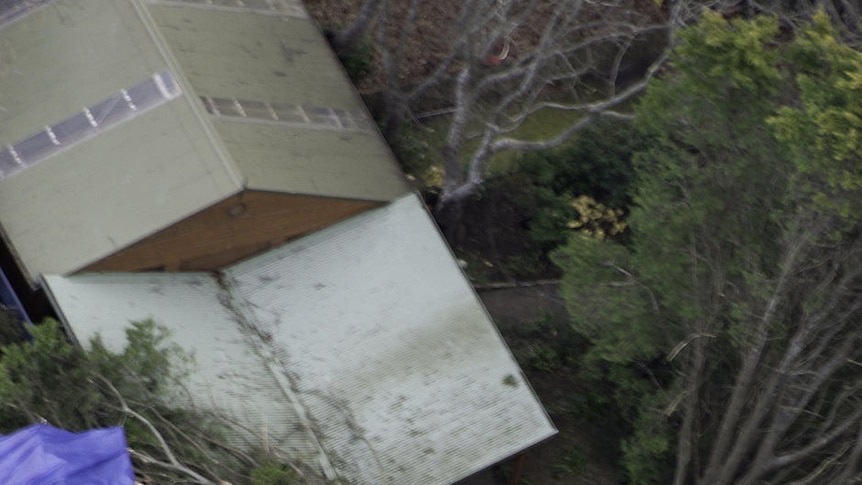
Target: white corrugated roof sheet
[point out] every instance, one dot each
(379, 343)
(230, 375)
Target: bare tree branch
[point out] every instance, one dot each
(721, 462)
(173, 463)
(550, 47)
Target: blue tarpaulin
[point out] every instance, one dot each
(45, 455)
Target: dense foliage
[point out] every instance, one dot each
(48, 379)
(530, 209)
(730, 318)
(596, 167)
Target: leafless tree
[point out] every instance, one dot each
(494, 63)
(505, 60)
(793, 409)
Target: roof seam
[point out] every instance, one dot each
(167, 54)
(261, 344)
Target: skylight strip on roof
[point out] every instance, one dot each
(285, 8)
(89, 122)
(313, 117)
(12, 11)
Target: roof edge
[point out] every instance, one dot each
(191, 96)
(82, 266)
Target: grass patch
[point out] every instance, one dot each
(419, 147)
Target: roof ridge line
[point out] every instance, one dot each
(192, 97)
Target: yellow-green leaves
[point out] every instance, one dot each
(595, 219)
(746, 229)
(737, 52)
(823, 129)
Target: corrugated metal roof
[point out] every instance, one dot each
(65, 56)
(89, 122)
(256, 57)
(230, 375)
(403, 374)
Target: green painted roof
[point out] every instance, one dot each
(250, 56)
(119, 183)
(348, 164)
(66, 56)
(260, 102)
(280, 60)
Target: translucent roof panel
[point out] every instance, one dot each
(281, 102)
(12, 10)
(289, 115)
(99, 196)
(89, 122)
(68, 55)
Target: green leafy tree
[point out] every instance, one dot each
(733, 314)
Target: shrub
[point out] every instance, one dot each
(51, 380)
(596, 167)
(358, 62)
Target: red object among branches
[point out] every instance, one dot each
(502, 56)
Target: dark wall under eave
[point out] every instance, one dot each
(33, 299)
(234, 229)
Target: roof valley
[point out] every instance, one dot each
(262, 345)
